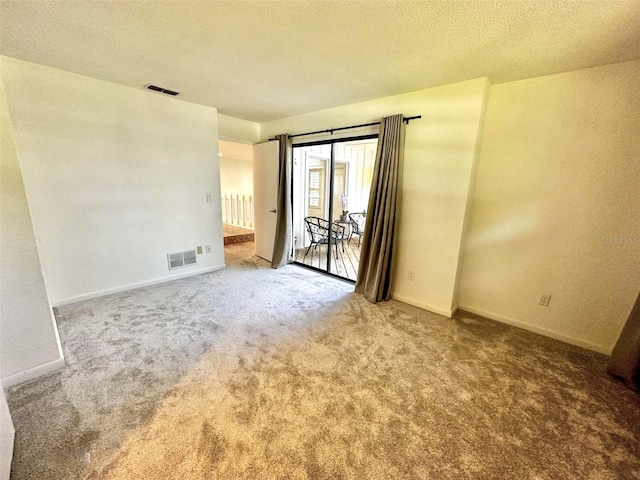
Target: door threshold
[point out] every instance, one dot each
(324, 272)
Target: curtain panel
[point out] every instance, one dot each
(377, 254)
(282, 245)
(625, 358)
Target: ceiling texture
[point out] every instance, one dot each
(263, 60)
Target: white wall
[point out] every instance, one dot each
(236, 176)
(115, 177)
(440, 152)
(557, 205)
(236, 168)
(28, 337)
(237, 130)
(6, 438)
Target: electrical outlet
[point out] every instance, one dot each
(411, 275)
(208, 248)
(545, 298)
(199, 250)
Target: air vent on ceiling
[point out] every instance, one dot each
(162, 90)
(182, 259)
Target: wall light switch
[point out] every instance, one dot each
(208, 248)
(208, 197)
(199, 250)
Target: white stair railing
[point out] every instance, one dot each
(237, 209)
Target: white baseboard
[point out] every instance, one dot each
(56, 333)
(536, 329)
(33, 373)
(132, 286)
(446, 312)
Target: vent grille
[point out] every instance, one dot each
(155, 88)
(182, 259)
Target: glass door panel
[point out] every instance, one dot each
(352, 173)
(331, 183)
(311, 183)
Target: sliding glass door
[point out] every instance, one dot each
(331, 183)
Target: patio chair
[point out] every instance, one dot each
(319, 232)
(358, 221)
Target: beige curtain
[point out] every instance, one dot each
(376, 257)
(282, 245)
(625, 359)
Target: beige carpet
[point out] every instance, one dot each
(256, 373)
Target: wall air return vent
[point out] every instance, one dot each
(162, 90)
(182, 259)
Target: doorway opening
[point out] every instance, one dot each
(236, 191)
(331, 185)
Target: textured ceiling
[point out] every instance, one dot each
(262, 60)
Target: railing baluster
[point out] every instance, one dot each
(237, 209)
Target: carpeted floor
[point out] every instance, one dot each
(256, 373)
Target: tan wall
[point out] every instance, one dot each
(440, 152)
(557, 205)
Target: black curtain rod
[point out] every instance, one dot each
(331, 130)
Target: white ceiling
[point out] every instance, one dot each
(262, 60)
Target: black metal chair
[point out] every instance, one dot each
(319, 233)
(358, 221)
